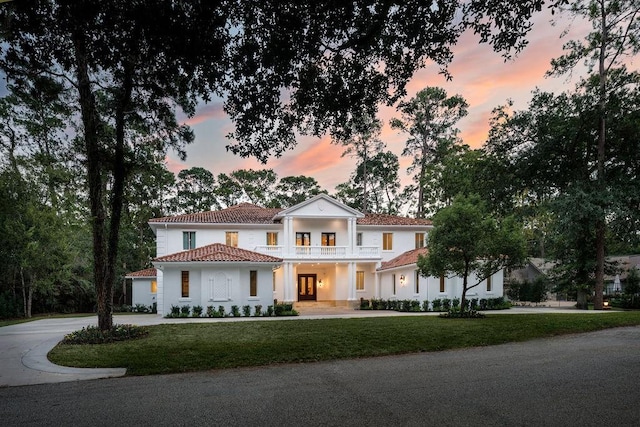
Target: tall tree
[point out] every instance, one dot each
(467, 239)
(195, 191)
(429, 118)
(292, 190)
(615, 37)
(128, 65)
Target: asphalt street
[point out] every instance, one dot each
(578, 380)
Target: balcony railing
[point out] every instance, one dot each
(322, 252)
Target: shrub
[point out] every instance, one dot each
(473, 304)
(93, 334)
(425, 305)
(285, 309)
(140, 308)
(483, 304)
(465, 314)
(415, 306)
(258, 310)
(184, 310)
(446, 304)
(211, 312)
(197, 311)
(437, 304)
(9, 306)
(269, 310)
(235, 311)
(221, 311)
(365, 304)
(246, 310)
(175, 311)
(455, 304)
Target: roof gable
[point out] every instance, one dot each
(407, 258)
(320, 206)
(218, 252)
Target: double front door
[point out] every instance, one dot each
(307, 287)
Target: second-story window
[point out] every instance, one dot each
(387, 241)
(231, 238)
(419, 240)
(303, 238)
(489, 287)
(188, 240)
(359, 239)
(328, 239)
(272, 238)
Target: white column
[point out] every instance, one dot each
(352, 235)
(352, 281)
(285, 238)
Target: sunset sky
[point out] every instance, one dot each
(479, 75)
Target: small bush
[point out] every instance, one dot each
(364, 304)
(93, 335)
(269, 310)
(197, 311)
(246, 310)
(235, 311)
(185, 310)
(425, 305)
(415, 306)
(285, 309)
(220, 311)
(446, 304)
(257, 310)
(455, 303)
(211, 312)
(466, 314)
(437, 304)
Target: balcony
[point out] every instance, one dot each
(320, 252)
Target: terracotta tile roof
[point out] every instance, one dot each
(407, 258)
(147, 272)
(217, 252)
(244, 213)
(383, 219)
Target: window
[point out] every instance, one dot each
(359, 239)
(328, 239)
(303, 239)
(359, 280)
(253, 283)
(387, 241)
(272, 238)
(442, 283)
(188, 240)
(419, 240)
(185, 284)
(274, 281)
(489, 284)
(393, 284)
(417, 282)
(231, 238)
(154, 287)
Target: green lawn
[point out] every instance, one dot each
(199, 347)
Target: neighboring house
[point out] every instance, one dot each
(399, 279)
(144, 286)
(318, 250)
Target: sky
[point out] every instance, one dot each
(480, 75)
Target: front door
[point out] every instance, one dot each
(307, 287)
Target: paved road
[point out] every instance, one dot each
(578, 380)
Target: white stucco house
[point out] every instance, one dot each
(319, 250)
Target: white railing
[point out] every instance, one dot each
(324, 252)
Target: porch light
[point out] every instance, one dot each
(403, 280)
(320, 284)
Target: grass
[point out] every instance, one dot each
(206, 346)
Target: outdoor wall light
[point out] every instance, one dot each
(320, 284)
(403, 280)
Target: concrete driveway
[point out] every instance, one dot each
(24, 347)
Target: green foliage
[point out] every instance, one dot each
(257, 310)
(246, 310)
(9, 306)
(235, 311)
(93, 334)
(632, 283)
(535, 291)
(285, 309)
(197, 311)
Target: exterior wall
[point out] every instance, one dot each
(403, 239)
(429, 287)
(318, 226)
(205, 284)
(141, 291)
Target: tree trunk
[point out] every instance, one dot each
(94, 181)
(598, 301)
